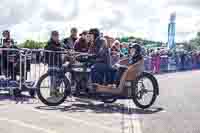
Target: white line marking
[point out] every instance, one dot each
(135, 124)
(93, 124)
(23, 124)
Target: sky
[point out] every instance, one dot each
(35, 19)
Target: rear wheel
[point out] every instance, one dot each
(145, 90)
(53, 90)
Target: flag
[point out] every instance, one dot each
(172, 32)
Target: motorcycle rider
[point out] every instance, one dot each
(102, 68)
(134, 55)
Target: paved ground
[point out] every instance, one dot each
(177, 110)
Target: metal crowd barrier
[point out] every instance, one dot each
(22, 68)
(14, 66)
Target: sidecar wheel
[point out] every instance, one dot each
(138, 94)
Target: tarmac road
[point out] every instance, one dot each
(177, 110)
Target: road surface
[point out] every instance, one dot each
(177, 110)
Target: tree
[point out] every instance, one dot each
(195, 42)
(32, 44)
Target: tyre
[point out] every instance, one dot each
(59, 98)
(138, 95)
(109, 100)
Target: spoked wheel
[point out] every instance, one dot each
(146, 91)
(53, 90)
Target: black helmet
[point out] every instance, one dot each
(95, 32)
(137, 47)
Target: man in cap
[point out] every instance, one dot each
(102, 67)
(82, 44)
(70, 41)
(9, 65)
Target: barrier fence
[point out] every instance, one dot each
(22, 68)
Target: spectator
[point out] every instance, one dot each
(124, 49)
(9, 63)
(115, 52)
(102, 66)
(82, 44)
(157, 69)
(91, 44)
(183, 59)
(198, 59)
(153, 62)
(177, 60)
(117, 45)
(70, 41)
(7, 39)
(52, 57)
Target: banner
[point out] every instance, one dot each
(172, 32)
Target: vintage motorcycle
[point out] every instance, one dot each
(131, 85)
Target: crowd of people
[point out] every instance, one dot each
(91, 41)
(109, 51)
(156, 61)
(159, 61)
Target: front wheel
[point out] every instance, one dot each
(145, 90)
(53, 90)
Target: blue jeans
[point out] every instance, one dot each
(102, 74)
(119, 74)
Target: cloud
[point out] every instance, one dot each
(187, 3)
(112, 21)
(148, 19)
(50, 15)
(61, 11)
(14, 12)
